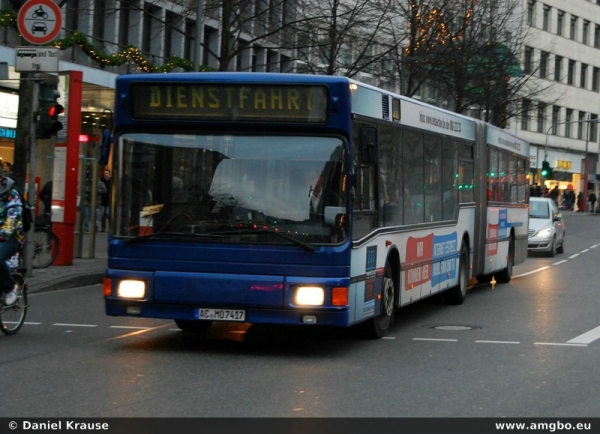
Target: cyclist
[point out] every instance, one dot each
(11, 234)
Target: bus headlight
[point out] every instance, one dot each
(310, 296)
(131, 289)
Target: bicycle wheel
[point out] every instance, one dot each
(45, 248)
(12, 317)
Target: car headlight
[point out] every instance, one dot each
(131, 289)
(544, 233)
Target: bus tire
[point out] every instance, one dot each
(505, 275)
(457, 294)
(378, 326)
(192, 326)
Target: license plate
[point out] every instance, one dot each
(222, 314)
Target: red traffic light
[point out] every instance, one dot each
(55, 110)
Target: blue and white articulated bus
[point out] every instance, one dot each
(302, 200)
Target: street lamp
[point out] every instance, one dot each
(588, 121)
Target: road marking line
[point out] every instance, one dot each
(32, 323)
(534, 271)
(130, 327)
(497, 342)
(594, 246)
(556, 263)
(431, 339)
(560, 345)
(138, 332)
(587, 337)
(389, 337)
(74, 325)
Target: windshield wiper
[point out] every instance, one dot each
(306, 246)
(170, 234)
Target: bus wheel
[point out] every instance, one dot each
(379, 325)
(457, 294)
(505, 275)
(192, 326)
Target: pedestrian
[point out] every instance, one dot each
(535, 190)
(11, 235)
(592, 200)
(580, 200)
(554, 194)
(7, 169)
(45, 196)
(570, 199)
(105, 200)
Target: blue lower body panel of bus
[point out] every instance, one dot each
(262, 298)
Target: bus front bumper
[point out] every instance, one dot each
(328, 317)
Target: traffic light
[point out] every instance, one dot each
(546, 170)
(47, 122)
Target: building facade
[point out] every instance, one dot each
(104, 38)
(562, 53)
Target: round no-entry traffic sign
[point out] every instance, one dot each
(39, 21)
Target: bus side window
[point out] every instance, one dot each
(493, 178)
(522, 182)
(432, 178)
(503, 177)
(413, 177)
(449, 180)
(390, 176)
(365, 211)
(465, 173)
(512, 176)
(364, 199)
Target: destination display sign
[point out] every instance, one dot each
(229, 102)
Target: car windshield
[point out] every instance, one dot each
(226, 188)
(539, 210)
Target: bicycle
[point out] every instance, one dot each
(44, 245)
(12, 317)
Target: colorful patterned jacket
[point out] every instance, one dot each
(11, 211)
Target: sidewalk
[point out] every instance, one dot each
(579, 214)
(84, 271)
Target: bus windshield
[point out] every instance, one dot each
(232, 188)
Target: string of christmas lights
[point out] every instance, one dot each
(9, 19)
(432, 20)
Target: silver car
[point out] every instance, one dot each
(546, 227)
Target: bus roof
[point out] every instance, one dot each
(248, 77)
(501, 138)
(366, 100)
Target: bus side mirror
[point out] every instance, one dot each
(332, 213)
(336, 217)
(368, 145)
